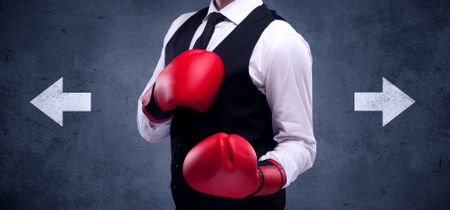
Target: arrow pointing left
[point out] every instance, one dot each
(53, 102)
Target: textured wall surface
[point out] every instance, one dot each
(99, 161)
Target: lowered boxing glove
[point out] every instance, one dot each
(226, 166)
(192, 80)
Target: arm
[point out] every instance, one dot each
(153, 131)
(288, 89)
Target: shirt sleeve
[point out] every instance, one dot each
(288, 88)
(151, 131)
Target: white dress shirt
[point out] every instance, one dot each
(280, 67)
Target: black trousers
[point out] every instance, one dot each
(186, 198)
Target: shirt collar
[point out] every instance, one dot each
(237, 10)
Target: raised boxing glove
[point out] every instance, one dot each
(192, 80)
(226, 166)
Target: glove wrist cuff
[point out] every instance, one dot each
(151, 108)
(273, 177)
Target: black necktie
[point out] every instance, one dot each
(213, 19)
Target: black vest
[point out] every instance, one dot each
(239, 108)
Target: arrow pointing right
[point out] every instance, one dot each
(392, 101)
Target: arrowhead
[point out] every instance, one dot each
(48, 103)
(395, 101)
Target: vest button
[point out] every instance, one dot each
(174, 187)
(176, 165)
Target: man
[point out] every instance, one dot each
(238, 107)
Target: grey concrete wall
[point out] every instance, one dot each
(98, 160)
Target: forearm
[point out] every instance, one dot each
(151, 131)
(295, 156)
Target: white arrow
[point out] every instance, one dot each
(53, 102)
(392, 101)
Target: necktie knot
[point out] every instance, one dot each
(215, 18)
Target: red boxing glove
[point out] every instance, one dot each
(192, 80)
(226, 166)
